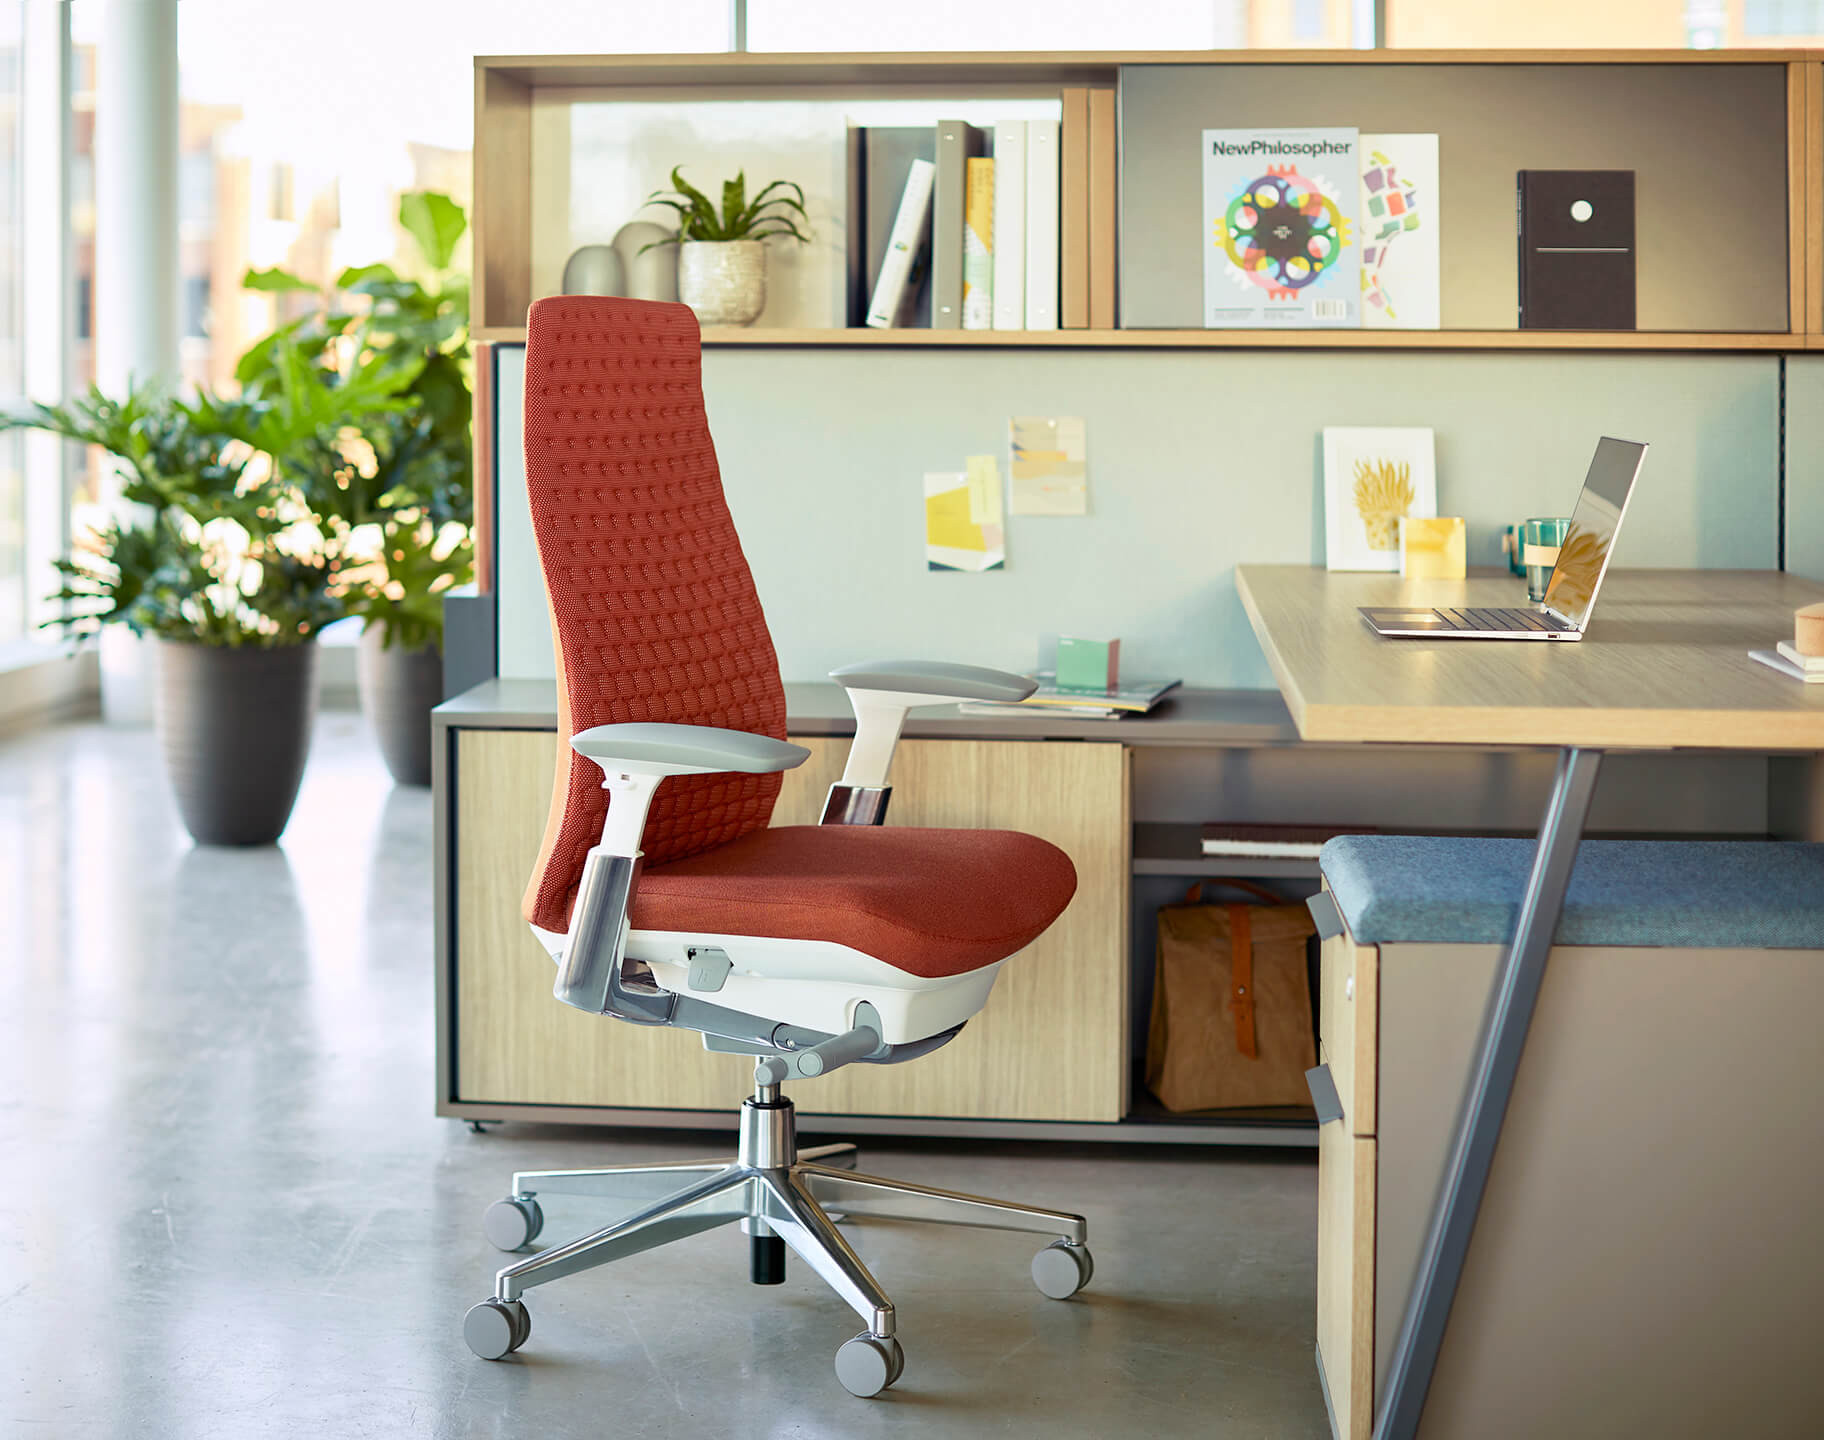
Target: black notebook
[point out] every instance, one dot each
(1576, 249)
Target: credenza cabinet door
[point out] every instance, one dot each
(1051, 1044)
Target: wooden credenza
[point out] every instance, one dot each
(1050, 1046)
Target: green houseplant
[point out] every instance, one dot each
(221, 555)
(408, 509)
(721, 261)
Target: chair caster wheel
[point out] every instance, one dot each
(496, 1328)
(869, 1363)
(1061, 1269)
(513, 1223)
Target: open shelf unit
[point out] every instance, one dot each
(508, 169)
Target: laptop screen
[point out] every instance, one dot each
(1584, 557)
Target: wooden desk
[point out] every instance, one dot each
(1665, 663)
(1664, 666)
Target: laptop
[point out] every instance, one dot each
(1570, 595)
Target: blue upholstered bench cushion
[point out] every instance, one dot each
(1690, 894)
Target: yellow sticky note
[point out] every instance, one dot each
(984, 489)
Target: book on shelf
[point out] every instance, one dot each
(1280, 225)
(1289, 842)
(1401, 249)
(1010, 225)
(1073, 211)
(1576, 249)
(978, 247)
(1041, 224)
(1104, 197)
(994, 254)
(879, 163)
(911, 225)
(957, 143)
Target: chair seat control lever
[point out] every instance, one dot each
(827, 1055)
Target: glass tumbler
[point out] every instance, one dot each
(1539, 542)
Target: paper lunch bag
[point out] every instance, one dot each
(1231, 1022)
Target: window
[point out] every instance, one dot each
(1782, 19)
(13, 607)
(1621, 24)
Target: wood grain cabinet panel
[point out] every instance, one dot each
(1051, 1044)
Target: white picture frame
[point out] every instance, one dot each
(1373, 476)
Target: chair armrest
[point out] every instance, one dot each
(650, 749)
(938, 681)
(634, 757)
(882, 691)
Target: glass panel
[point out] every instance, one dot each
(12, 345)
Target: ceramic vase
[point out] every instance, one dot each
(595, 270)
(724, 281)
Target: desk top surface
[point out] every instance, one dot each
(1665, 663)
(1228, 718)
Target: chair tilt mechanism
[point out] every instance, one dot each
(807, 947)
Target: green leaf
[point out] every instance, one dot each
(275, 280)
(734, 204)
(357, 276)
(436, 222)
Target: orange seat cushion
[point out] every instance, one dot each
(930, 902)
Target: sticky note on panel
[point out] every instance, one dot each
(984, 479)
(953, 539)
(1048, 465)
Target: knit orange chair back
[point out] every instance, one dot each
(654, 615)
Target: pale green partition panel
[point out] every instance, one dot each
(1197, 461)
(1805, 465)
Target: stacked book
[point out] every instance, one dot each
(1009, 227)
(1792, 662)
(1131, 697)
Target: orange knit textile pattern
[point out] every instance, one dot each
(654, 613)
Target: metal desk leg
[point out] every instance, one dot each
(1491, 1086)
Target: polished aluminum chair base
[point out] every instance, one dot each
(774, 1190)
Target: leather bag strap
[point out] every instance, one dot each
(1194, 895)
(1241, 977)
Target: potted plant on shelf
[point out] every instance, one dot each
(721, 261)
(408, 512)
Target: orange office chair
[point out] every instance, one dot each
(808, 947)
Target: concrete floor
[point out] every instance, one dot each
(230, 1212)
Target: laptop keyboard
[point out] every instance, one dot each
(1497, 619)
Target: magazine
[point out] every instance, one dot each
(1280, 212)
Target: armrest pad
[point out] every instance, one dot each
(935, 677)
(685, 749)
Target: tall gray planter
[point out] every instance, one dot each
(398, 688)
(235, 723)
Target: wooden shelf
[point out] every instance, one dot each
(1067, 67)
(1230, 339)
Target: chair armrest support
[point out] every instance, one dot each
(634, 759)
(882, 691)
